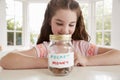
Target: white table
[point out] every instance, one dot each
(78, 73)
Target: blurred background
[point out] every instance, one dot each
(21, 20)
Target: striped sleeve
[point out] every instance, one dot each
(85, 48)
(41, 50)
(88, 49)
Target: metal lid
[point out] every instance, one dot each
(60, 37)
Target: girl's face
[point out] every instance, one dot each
(64, 22)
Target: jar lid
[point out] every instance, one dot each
(60, 37)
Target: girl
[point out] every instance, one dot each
(62, 17)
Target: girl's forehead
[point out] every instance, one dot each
(65, 14)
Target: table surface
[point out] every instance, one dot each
(78, 73)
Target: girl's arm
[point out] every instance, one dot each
(23, 60)
(105, 56)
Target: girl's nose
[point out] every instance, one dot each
(65, 30)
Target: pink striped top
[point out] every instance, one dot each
(82, 47)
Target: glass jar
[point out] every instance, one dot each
(60, 54)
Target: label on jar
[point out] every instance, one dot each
(61, 60)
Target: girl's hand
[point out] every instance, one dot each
(80, 60)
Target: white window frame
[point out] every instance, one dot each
(14, 32)
(92, 22)
(103, 30)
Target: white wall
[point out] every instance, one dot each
(2, 24)
(116, 24)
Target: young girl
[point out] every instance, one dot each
(62, 17)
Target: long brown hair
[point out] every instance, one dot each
(54, 5)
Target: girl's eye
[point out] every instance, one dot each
(60, 24)
(71, 25)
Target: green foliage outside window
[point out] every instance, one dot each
(10, 24)
(10, 34)
(103, 22)
(33, 38)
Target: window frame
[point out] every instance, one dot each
(15, 31)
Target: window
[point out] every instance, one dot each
(103, 16)
(14, 22)
(97, 15)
